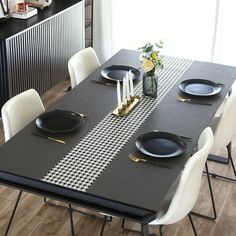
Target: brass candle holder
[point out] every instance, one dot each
(131, 103)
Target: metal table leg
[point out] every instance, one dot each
(71, 220)
(144, 230)
(13, 212)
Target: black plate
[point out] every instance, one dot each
(160, 144)
(59, 121)
(117, 72)
(200, 87)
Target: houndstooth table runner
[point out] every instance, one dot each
(83, 164)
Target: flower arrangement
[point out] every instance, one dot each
(150, 57)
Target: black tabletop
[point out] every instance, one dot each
(12, 26)
(26, 159)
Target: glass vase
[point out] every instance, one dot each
(150, 83)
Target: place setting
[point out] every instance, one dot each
(158, 145)
(111, 74)
(57, 123)
(198, 88)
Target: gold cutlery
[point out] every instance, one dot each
(137, 159)
(219, 84)
(83, 115)
(101, 82)
(183, 137)
(188, 100)
(49, 138)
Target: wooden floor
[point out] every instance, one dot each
(35, 218)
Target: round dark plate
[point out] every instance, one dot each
(117, 72)
(160, 144)
(200, 87)
(59, 121)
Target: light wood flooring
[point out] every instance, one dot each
(35, 218)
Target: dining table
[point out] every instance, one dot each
(92, 168)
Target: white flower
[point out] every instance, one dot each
(147, 65)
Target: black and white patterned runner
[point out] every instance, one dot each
(83, 164)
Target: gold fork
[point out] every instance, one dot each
(188, 100)
(137, 159)
(183, 99)
(83, 115)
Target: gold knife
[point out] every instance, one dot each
(101, 82)
(50, 138)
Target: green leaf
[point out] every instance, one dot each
(159, 45)
(149, 48)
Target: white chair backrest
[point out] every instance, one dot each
(82, 64)
(189, 184)
(19, 111)
(225, 129)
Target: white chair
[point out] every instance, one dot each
(183, 194)
(82, 64)
(189, 185)
(19, 111)
(224, 129)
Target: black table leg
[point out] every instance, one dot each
(71, 220)
(13, 212)
(144, 230)
(103, 225)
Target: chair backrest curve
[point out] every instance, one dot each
(225, 129)
(19, 111)
(189, 184)
(82, 64)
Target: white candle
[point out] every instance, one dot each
(124, 92)
(127, 87)
(131, 83)
(118, 95)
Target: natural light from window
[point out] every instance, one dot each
(199, 30)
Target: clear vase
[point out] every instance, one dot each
(150, 83)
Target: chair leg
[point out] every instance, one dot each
(103, 225)
(123, 224)
(212, 199)
(211, 192)
(222, 160)
(144, 230)
(160, 230)
(65, 207)
(193, 227)
(71, 220)
(229, 149)
(13, 212)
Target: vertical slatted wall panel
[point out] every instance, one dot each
(66, 44)
(28, 57)
(3, 74)
(37, 58)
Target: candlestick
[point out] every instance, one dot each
(127, 87)
(118, 95)
(124, 100)
(131, 84)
